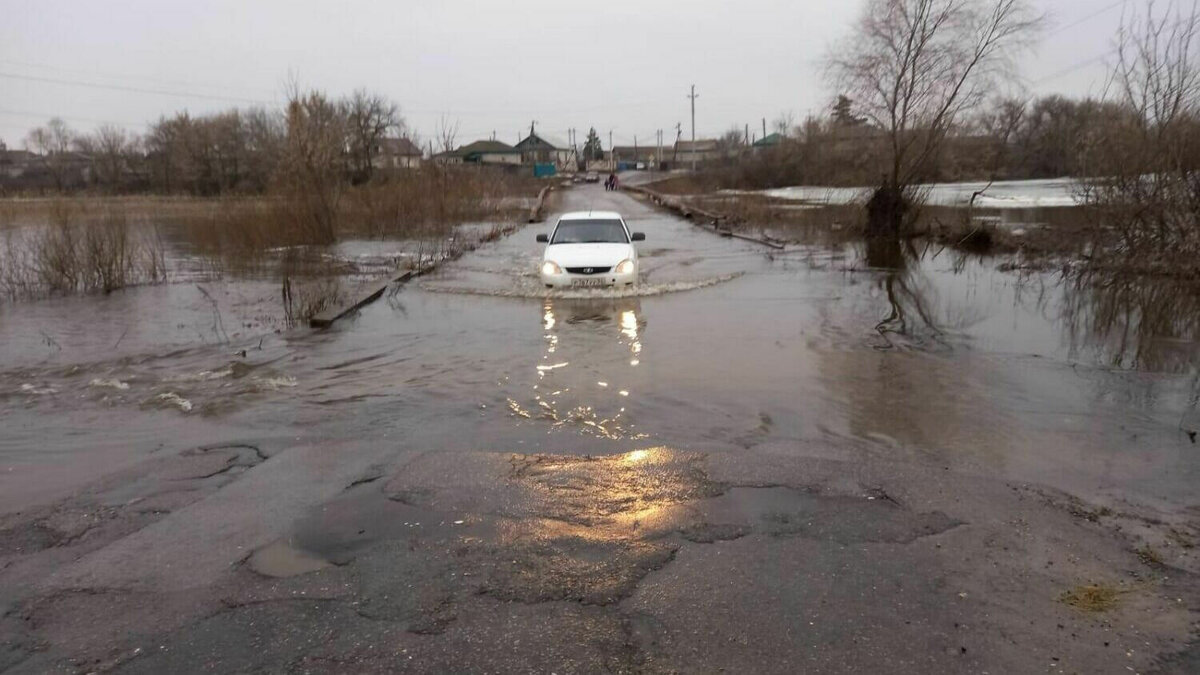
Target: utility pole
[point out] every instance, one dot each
(693, 96)
(658, 163)
(678, 135)
(764, 127)
(746, 139)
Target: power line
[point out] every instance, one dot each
(1087, 18)
(1087, 62)
(136, 90)
(126, 76)
(1070, 69)
(43, 115)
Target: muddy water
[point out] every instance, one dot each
(851, 353)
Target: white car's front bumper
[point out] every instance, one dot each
(611, 278)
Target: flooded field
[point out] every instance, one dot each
(1013, 194)
(763, 361)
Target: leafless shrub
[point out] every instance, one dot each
(108, 254)
(310, 284)
(75, 254)
(56, 255)
(1146, 194)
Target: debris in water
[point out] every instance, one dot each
(114, 384)
(171, 398)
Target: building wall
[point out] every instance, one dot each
(500, 158)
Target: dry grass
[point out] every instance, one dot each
(140, 209)
(423, 205)
(1093, 598)
(1149, 556)
(70, 256)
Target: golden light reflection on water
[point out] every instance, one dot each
(570, 332)
(629, 328)
(619, 498)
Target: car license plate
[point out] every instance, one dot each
(587, 282)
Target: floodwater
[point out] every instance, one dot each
(1016, 194)
(855, 352)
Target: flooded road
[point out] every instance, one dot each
(854, 408)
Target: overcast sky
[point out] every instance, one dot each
(493, 65)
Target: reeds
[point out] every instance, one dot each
(70, 256)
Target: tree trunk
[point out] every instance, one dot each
(886, 211)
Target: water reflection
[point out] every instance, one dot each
(1134, 322)
(913, 314)
(583, 378)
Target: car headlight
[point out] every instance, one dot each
(625, 267)
(550, 267)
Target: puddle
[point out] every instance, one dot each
(280, 559)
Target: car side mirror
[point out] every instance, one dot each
(543, 238)
(639, 236)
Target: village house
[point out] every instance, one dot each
(396, 153)
(768, 142)
(629, 156)
(15, 163)
(490, 152)
(536, 149)
(687, 152)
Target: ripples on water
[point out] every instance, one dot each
(864, 350)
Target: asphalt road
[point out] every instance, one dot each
(417, 531)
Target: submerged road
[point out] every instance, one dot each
(730, 469)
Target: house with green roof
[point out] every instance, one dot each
(481, 152)
(770, 141)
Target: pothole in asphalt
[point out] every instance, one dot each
(280, 559)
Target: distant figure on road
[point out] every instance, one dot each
(612, 181)
(608, 183)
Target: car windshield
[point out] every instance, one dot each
(590, 232)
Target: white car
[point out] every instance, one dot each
(590, 248)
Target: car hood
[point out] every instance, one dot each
(588, 255)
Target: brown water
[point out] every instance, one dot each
(867, 353)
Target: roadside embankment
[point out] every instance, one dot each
(372, 293)
(718, 222)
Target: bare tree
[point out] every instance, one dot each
(731, 142)
(1147, 161)
(447, 133)
(369, 119)
(784, 124)
(999, 123)
(163, 150)
(265, 133)
(913, 68)
(312, 162)
(109, 150)
(52, 143)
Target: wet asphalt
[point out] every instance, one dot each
(558, 487)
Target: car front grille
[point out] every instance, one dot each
(588, 270)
